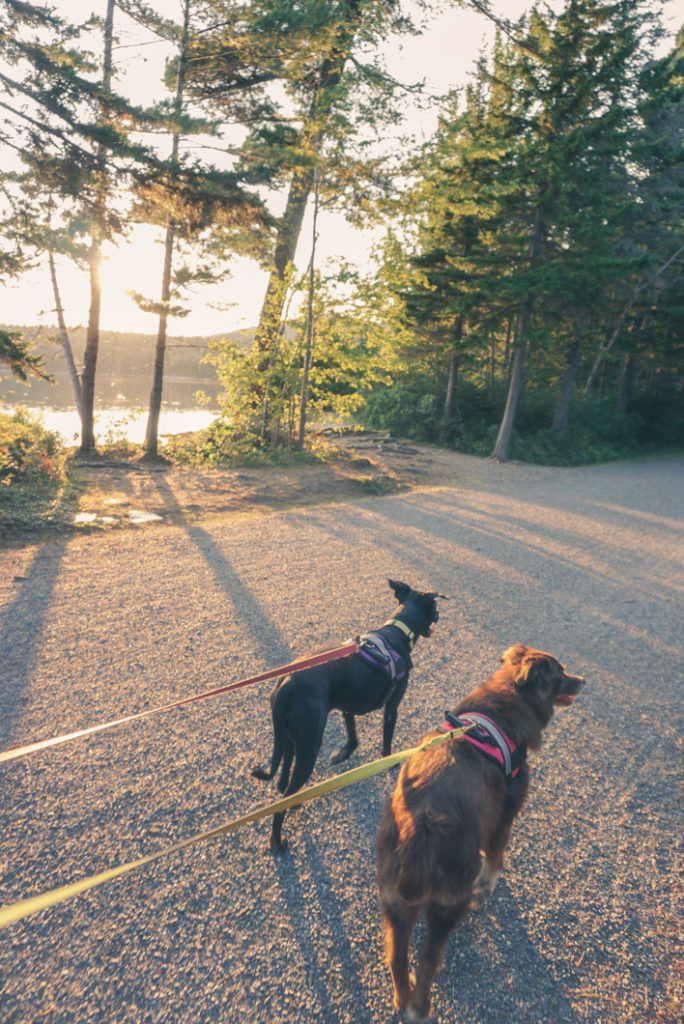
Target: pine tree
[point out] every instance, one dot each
(647, 303)
(466, 190)
(64, 121)
(203, 210)
(528, 201)
(304, 128)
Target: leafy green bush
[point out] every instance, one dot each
(28, 452)
(221, 444)
(408, 408)
(597, 433)
(34, 485)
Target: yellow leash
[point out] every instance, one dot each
(17, 911)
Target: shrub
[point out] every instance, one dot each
(411, 408)
(28, 452)
(221, 444)
(34, 486)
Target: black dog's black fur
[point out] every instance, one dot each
(301, 702)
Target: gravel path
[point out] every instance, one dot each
(584, 926)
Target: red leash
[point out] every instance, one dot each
(351, 647)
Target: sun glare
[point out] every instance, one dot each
(133, 267)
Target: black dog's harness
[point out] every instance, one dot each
(489, 739)
(375, 649)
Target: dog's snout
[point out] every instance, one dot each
(575, 683)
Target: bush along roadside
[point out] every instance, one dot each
(219, 444)
(412, 409)
(35, 487)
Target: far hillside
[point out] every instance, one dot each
(125, 354)
(124, 370)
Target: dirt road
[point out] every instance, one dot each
(585, 925)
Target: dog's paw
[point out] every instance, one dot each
(417, 1014)
(483, 888)
(279, 848)
(343, 754)
(402, 995)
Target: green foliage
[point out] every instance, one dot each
(263, 398)
(115, 443)
(544, 218)
(596, 434)
(407, 408)
(35, 489)
(411, 409)
(27, 451)
(221, 444)
(17, 353)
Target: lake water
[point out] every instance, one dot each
(120, 406)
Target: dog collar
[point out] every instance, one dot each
(404, 628)
(490, 740)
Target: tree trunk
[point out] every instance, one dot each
(64, 334)
(91, 348)
(503, 439)
(87, 447)
(289, 229)
(626, 385)
(507, 349)
(152, 431)
(449, 394)
(452, 380)
(151, 453)
(500, 451)
(561, 416)
(491, 369)
(309, 327)
(640, 286)
(329, 75)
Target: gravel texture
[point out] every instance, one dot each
(584, 927)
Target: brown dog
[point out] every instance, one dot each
(442, 837)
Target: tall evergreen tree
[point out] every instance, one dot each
(98, 234)
(302, 126)
(527, 194)
(170, 232)
(64, 120)
(466, 191)
(205, 212)
(649, 293)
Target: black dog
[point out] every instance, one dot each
(376, 676)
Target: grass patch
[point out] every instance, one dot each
(380, 484)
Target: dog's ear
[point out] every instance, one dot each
(401, 590)
(514, 655)
(538, 671)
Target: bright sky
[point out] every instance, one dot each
(444, 56)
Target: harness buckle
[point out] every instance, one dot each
(490, 740)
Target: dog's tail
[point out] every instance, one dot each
(437, 856)
(278, 711)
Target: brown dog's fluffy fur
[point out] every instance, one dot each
(442, 838)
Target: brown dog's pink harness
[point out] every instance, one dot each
(489, 739)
